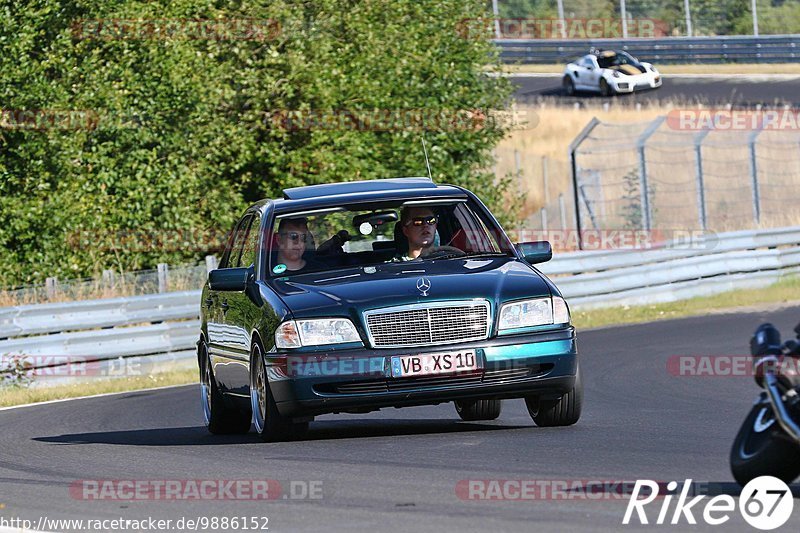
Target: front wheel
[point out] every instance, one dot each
(605, 88)
(564, 411)
(759, 449)
(471, 410)
(219, 417)
(569, 86)
(270, 425)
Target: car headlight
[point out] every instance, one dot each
(315, 332)
(531, 313)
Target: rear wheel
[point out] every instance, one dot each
(270, 425)
(470, 410)
(219, 417)
(569, 86)
(564, 411)
(760, 450)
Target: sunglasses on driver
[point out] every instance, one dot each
(431, 220)
(295, 236)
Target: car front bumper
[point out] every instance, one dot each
(542, 364)
(629, 84)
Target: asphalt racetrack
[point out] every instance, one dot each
(739, 91)
(397, 470)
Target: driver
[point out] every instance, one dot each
(419, 226)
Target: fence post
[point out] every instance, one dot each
(754, 175)
(51, 287)
(562, 211)
(647, 215)
(109, 279)
(576, 190)
(211, 263)
(701, 190)
(163, 277)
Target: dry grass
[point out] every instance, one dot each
(610, 154)
(548, 132)
(728, 68)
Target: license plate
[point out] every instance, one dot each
(434, 363)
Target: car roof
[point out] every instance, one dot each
(351, 192)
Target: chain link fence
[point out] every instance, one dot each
(112, 284)
(660, 175)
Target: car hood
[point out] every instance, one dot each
(350, 292)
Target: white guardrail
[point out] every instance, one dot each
(164, 327)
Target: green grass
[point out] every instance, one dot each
(785, 291)
(20, 395)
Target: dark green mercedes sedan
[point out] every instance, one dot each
(351, 297)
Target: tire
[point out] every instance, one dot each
(569, 86)
(760, 450)
(564, 411)
(471, 410)
(219, 417)
(605, 88)
(270, 425)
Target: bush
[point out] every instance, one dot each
(182, 133)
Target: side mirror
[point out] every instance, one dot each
(536, 252)
(229, 279)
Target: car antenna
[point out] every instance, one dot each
(427, 163)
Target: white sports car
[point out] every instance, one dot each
(609, 72)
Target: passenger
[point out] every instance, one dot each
(293, 235)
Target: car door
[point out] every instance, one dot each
(240, 315)
(592, 73)
(579, 74)
(218, 307)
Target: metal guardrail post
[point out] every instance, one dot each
(751, 141)
(647, 215)
(51, 287)
(109, 279)
(576, 190)
(163, 277)
(701, 190)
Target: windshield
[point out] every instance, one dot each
(619, 58)
(360, 236)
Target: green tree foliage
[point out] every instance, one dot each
(185, 135)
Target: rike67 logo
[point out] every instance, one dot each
(765, 503)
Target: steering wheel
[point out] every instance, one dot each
(440, 251)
